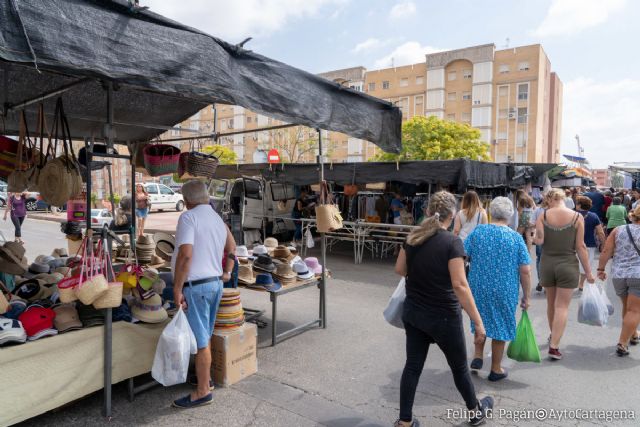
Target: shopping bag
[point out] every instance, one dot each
(393, 312)
(607, 301)
(309, 237)
(593, 308)
(176, 344)
(524, 347)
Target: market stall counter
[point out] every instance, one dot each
(48, 373)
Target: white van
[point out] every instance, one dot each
(254, 204)
(162, 197)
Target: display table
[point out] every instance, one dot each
(321, 321)
(45, 374)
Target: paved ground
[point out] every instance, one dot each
(156, 221)
(349, 374)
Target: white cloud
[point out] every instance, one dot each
(234, 20)
(369, 44)
(605, 115)
(569, 17)
(402, 10)
(407, 53)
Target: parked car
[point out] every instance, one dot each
(163, 197)
(34, 202)
(100, 217)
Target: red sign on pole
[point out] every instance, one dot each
(273, 156)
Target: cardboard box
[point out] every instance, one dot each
(234, 355)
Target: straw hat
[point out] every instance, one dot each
(302, 271)
(286, 275)
(43, 259)
(271, 243)
(60, 253)
(12, 259)
(260, 250)
(283, 253)
(145, 246)
(149, 310)
(49, 278)
(242, 251)
(245, 274)
(165, 245)
(65, 271)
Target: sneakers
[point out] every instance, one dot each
(485, 406)
(11, 331)
(187, 403)
(414, 423)
(554, 354)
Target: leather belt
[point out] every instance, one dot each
(202, 281)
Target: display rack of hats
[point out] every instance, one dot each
(272, 266)
(151, 250)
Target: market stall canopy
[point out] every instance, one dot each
(460, 173)
(165, 72)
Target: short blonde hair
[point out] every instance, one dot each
(634, 215)
(555, 195)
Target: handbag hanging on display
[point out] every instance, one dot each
(328, 217)
(37, 155)
(161, 159)
(18, 180)
(112, 298)
(60, 178)
(95, 284)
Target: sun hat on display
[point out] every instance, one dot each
(260, 250)
(313, 264)
(271, 243)
(149, 310)
(286, 275)
(293, 250)
(39, 267)
(11, 331)
(67, 318)
(302, 271)
(242, 251)
(266, 281)
(165, 245)
(89, 315)
(60, 253)
(12, 259)
(230, 314)
(283, 253)
(64, 271)
(264, 263)
(245, 274)
(57, 262)
(38, 322)
(32, 290)
(49, 278)
(43, 259)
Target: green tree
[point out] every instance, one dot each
(430, 138)
(225, 154)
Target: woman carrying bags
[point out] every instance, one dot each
(432, 262)
(143, 204)
(623, 244)
(16, 205)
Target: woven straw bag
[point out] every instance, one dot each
(4, 304)
(112, 298)
(161, 159)
(328, 217)
(202, 165)
(95, 284)
(18, 180)
(67, 289)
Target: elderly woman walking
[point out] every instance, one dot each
(499, 267)
(432, 262)
(560, 231)
(623, 245)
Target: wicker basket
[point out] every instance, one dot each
(67, 289)
(112, 298)
(161, 159)
(201, 165)
(92, 289)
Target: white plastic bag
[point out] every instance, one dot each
(607, 301)
(593, 308)
(393, 312)
(309, 237)
(176, 344)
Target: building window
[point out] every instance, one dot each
(385, 84)
(194, 125)
(404, 82)
(466, 96)
(451, 76)
(451, 96)
(372, 87)
(523, 66)
(503, 113)
(466, 117)
(503, 90)
(523, 92)
(230, 123)
(466, 74)
(176, 130)
(420, 80)
(503, 69)
(501, 135)
(451, 116)
(522, 115)
(403, 103)
(521, 137)
(223, 124)
(248, 119)
(418, 109)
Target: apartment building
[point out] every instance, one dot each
(510, 95)
(602, 177)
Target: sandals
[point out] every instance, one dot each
(622, 350)
(635, 340)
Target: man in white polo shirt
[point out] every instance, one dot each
(201, 239)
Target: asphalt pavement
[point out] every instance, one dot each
(349, 373)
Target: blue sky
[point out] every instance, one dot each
(592, 45)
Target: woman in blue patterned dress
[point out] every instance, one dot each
(499, 261)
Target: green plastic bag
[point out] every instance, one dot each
(524, 348)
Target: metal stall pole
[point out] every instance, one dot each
(108, 324)
(323, 246)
